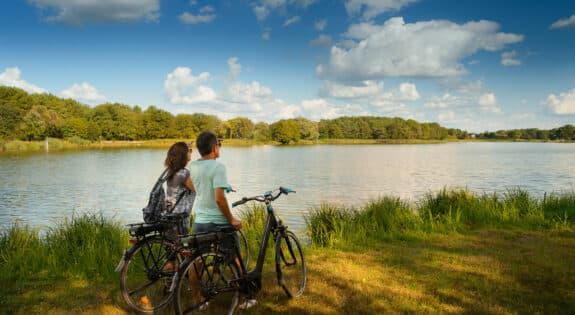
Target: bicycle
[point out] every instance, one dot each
(145, 272)
(219, 275)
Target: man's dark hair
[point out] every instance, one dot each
(205, 142)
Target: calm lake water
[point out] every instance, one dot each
(41, 189)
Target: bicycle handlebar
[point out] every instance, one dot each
(267, 196)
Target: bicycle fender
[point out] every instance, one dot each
(122, 262)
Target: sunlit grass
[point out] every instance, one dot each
(450, 252)
(445, 211)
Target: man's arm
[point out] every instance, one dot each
(222, 203)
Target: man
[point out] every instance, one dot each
(211, 209)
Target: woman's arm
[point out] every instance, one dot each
(190, 185)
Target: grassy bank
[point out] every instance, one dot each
(78, 143)
(451, 252)
(442, 212)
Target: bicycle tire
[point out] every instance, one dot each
(219, 286)
(290, 264)
(244, 249)
(145, 287)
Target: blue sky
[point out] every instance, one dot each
(474, 65)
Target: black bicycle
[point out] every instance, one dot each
(148, 267)
(212, 274)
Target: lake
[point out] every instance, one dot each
(40, 189)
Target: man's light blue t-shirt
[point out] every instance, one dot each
(207, 175)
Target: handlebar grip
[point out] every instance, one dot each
(285, 190)
(239, 202)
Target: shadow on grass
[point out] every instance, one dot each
(489, 271)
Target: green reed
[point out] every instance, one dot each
(445, 211)
(86, 246)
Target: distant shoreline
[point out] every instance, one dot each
(54, 144)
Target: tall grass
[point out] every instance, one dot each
(84, 247)
(441, 212)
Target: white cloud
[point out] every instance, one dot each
(564, 104)
(261, 12)
(263, 8)
(439, 102)
(508, 59)
(207, 9)
(563, 23)
(488, 103)
(320, 25)
(235, 67)
(266, 35)
(367, 88)
(83, 92)
(188, 18)
(11, 77)
(323, 41)
(371, 92)
(417, 49)
(181, 87)
(97, 11)
(291, 21)
(373, 8)
(446, 116)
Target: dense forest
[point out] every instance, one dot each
(37, 116)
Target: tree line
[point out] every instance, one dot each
(37, 116)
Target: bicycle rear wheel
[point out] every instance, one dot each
(144, 282)
(290, 264)
(207, 278)
(244, 249)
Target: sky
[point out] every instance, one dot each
(473, 65)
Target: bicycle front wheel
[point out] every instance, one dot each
(145, 279)
(290, 264)
(208, 283)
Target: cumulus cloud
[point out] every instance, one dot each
(446, 116)
(440, 102)
(188, 18)
(11, 77)
(320, 25)
(417, 49)
(488, 103)
(563, 23)
(181, 87)
(508, 59)
(83, 92)
(99, 11)
(372, 8)
(291, 21)
(207, 9)
(261, 12)
(263, 8)
(563, 104)
(323, 41)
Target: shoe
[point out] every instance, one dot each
(204, 306)
(248, 303)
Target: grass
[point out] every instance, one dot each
(451, 252)
(446, 211)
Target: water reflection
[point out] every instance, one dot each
(43, 188)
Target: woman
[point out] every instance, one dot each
(180, 189)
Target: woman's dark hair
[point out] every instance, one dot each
(205, 142)
(177, 157)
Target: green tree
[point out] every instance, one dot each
(75, 126)
(308, 130)
(240, 128)
(33, 126)
(285, 131)
(262, 132)
(184, 126)
(206, 122)
(157, 123)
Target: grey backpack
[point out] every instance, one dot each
(157, 205)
